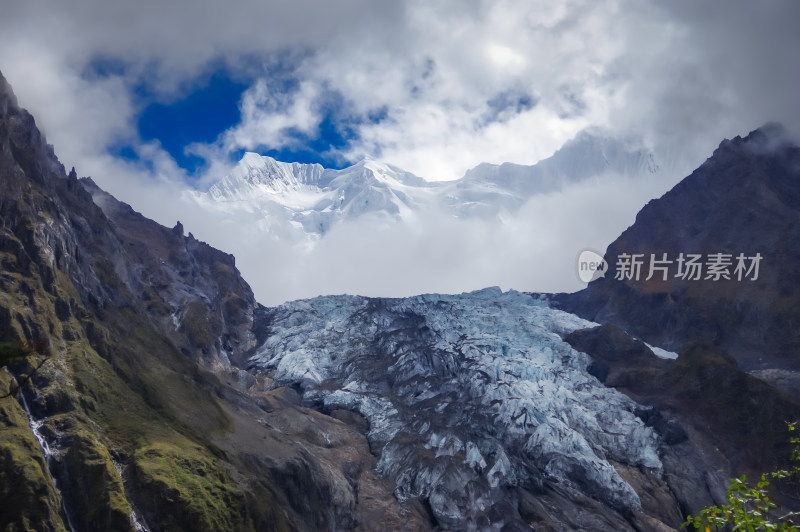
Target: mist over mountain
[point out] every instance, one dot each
(351, 230)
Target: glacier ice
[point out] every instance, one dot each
(474, 390)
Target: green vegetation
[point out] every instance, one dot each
(750, 508)
(156, 409)
(12, 352)
(16, 352)
(190, 488)
(97, 491)
(198, 326)
(29, 500)
(127, 393)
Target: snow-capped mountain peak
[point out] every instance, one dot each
(312, 199)
(257, 175)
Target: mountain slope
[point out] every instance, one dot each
(745, 199)
(142, 416)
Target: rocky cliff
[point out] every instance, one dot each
(743, 201)
(144, 420)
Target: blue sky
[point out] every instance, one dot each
(432, 87)
(211, 106)
(198, 116)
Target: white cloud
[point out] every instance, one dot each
(432, 87)
(267, 113)
(535, 250)
(78, 115)
(432, 75)
(430, 68)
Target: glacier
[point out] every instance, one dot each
(466, 396)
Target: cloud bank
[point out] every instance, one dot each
(431, 87)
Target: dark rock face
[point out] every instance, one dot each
(187, 284)
(702, 394)
(745, 199)
(711, 416)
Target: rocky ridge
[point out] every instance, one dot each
(744, 200)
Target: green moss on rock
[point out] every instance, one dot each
(98, 496)
(195, 325)
(188, 490)
(29, 499)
